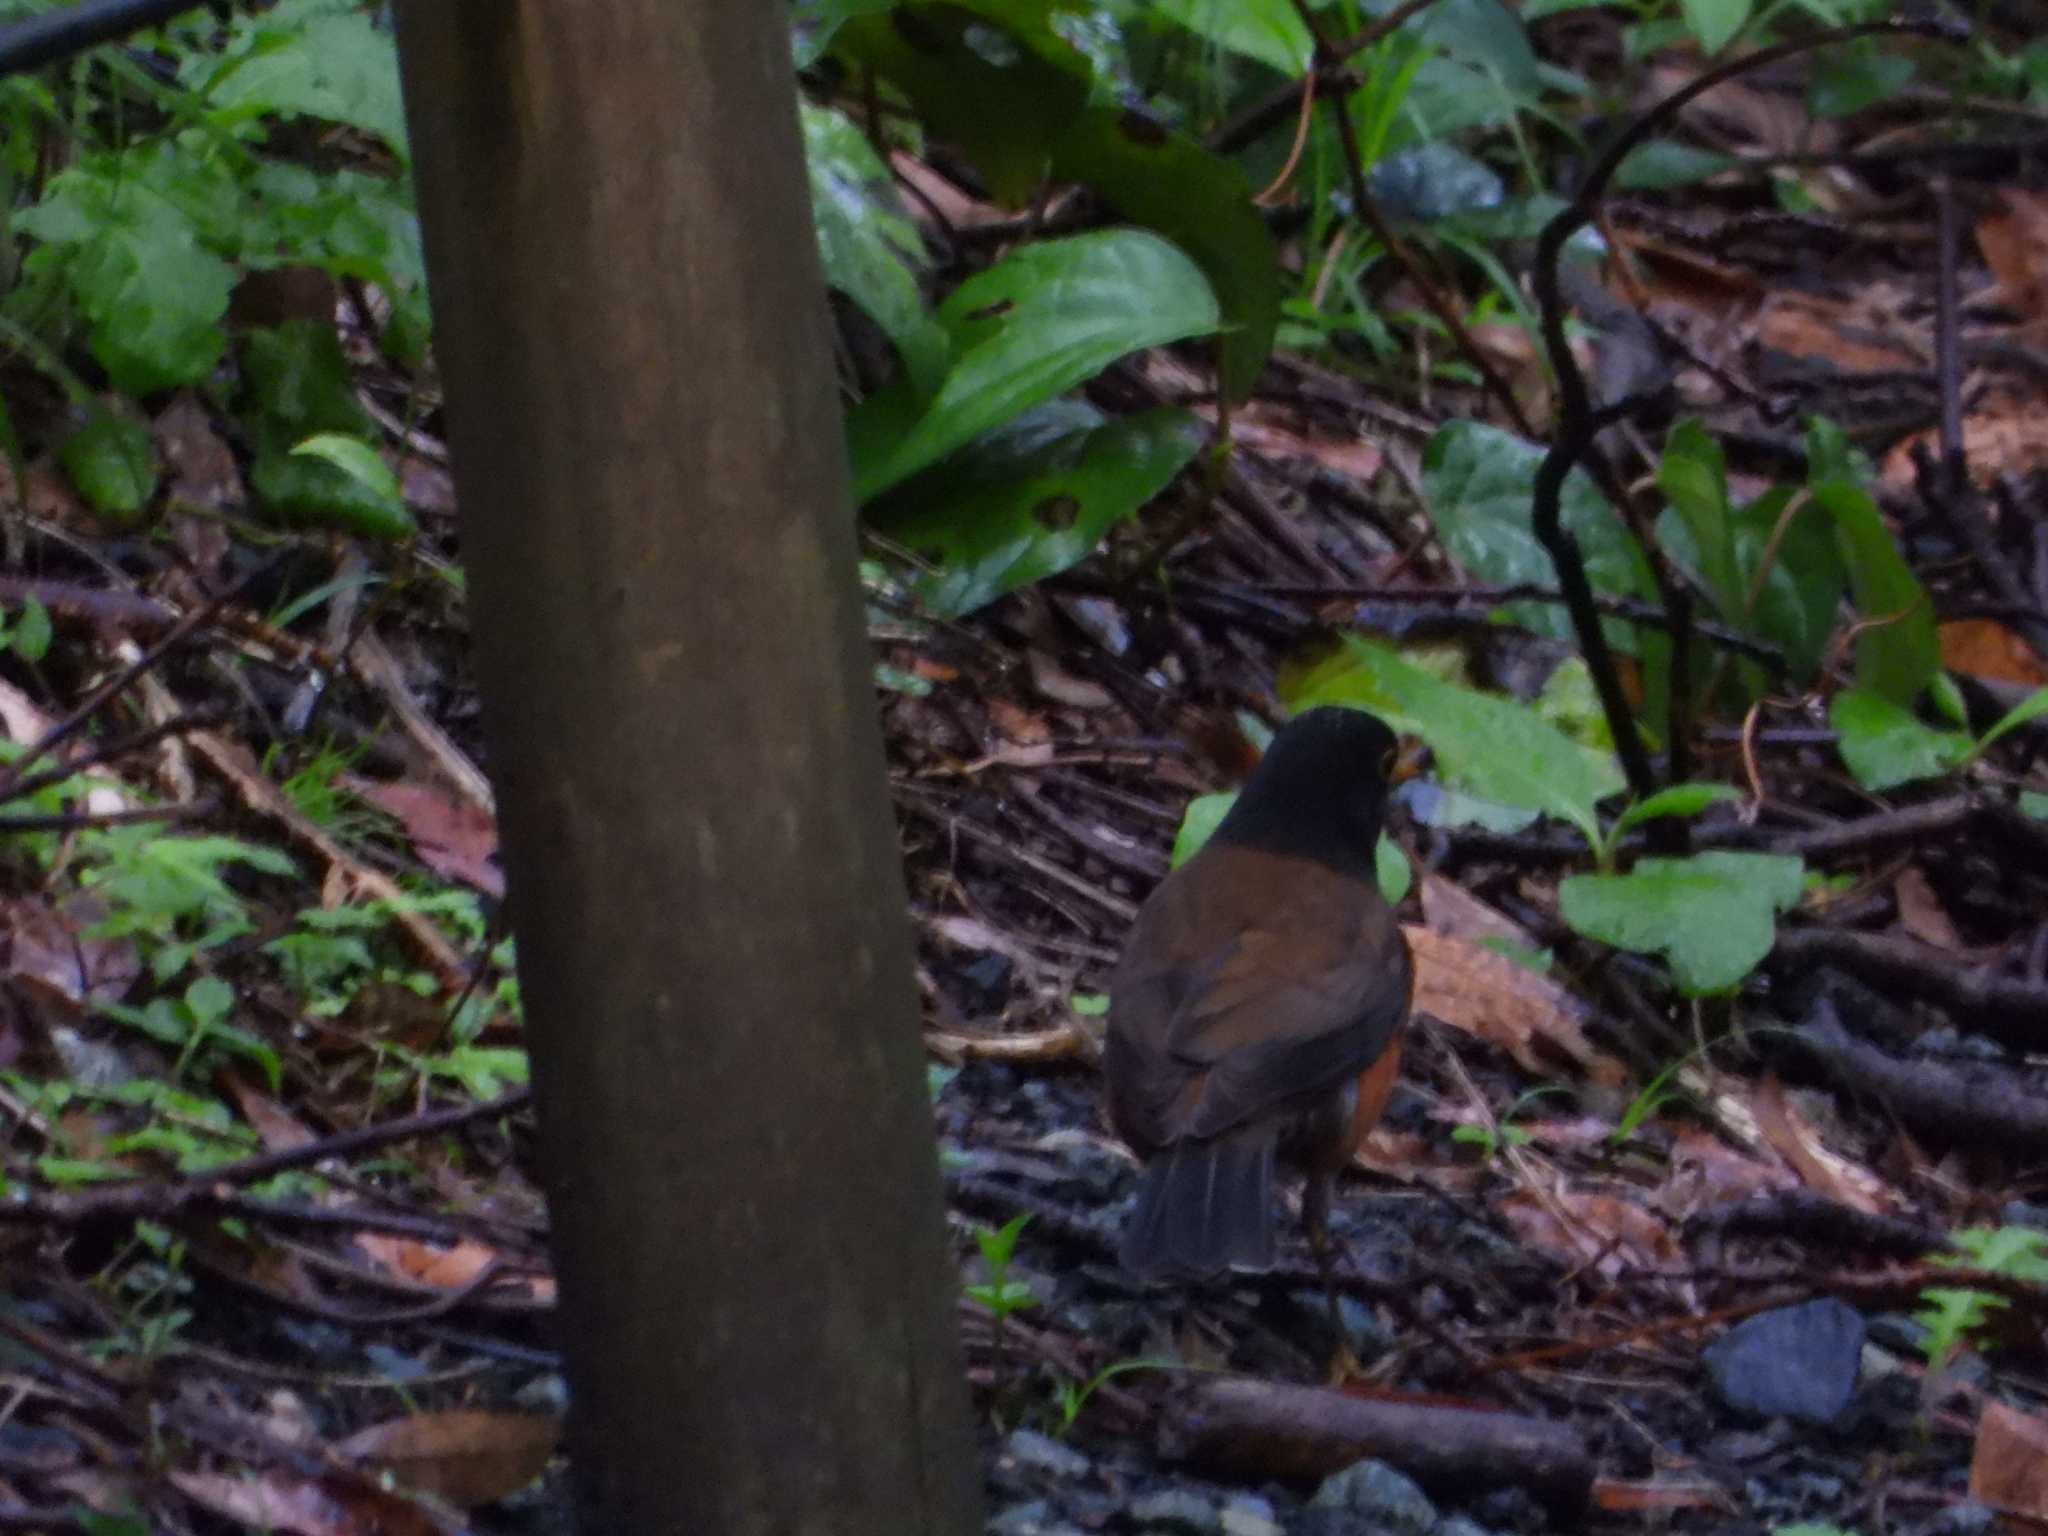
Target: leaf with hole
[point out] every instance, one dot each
(1712, 916)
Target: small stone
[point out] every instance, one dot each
(1800, 1362)
(1032, 1519)
(1042, 1453)
(1176, 1512)
(1250, 1515)
(1386, 1500)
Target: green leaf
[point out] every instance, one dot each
(2021, 1252)
(1029, 328)
(1198, 824)
(1885, 745)
(1663, 164)
(1031, 498)
(1479, 482)
(1847, 79)
(298, 382)
(1800, 597)
(1678, 800)
(354, 458)
(1694, 478)
(2032, 707)
(867, 245)
(132, 259)
(1013, 94)
(112, 461)
(1169, 183)
(1897, 650)
(305, 58)
(2033, 803)
(1714, 23)
(1494, 747)
(31, 637)
(1395, 874)
(1712, 915)
(1269, 31)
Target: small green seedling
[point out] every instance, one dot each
(1073, 1396)
(1952, 1315)
(999, 1293)
(1493, 1139)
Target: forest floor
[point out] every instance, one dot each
(1664, 1264)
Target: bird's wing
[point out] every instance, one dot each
(1300, 979)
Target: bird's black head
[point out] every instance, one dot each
(1320, 792)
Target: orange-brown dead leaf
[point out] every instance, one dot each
(2014, 240)
(2009, 1468)
(428, 1263)
(453, 837)
(1622, 1496)
(468, 1457)
(1921, 912)
(1526, 1014)
(1987, 649)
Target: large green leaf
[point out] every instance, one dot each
(865, 242)
(306, 58)
(1885, 745)
(1000, 82)
(1694, 478)
(1478, 483)
(1031, 327)
(1494, 747)
(1031, 498)
(131, 255)
(1713, 916)
(1897, 650)
(1269, 31)
(1715, 22)
(112, 461)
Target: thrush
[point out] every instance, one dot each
(1256, 1014)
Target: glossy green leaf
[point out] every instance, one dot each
(1494, 747)
(1269, 31)
(112, 461)
(1885, 745)
(1714, 23)
(1031, 327)
(1679, 800)
(1478, 483)
(2032, 707)
(1167, 182)
(867, 245)
(1712, 916)
(1031, 498)
(1897, 650)
(1001, 83)
(354, 458)
(1800, 599)
(1694, 478)
(1664, 164)
(31, 633)
(1856, 75)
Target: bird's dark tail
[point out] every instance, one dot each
(1204, 1207)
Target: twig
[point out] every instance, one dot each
(73, 821)
(1394, 246)
(158, 1198)
(1579, 420)
(125, 746)
(2002, 1007)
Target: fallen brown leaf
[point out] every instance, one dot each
(1988, 649)
(468, 1457)
(1526, 1014)
(2009, 1467)
(1609, 1231)
(1921, 912)
(1795, 1138)
(2014, 241)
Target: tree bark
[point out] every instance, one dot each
(705, 880)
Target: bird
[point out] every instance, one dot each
(1257, 1010)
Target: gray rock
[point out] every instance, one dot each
(1458, 1525)
(1250, 1515)
(1379, 1498)
(1800, 1362)
(1042, 1453)
(1176, 1512)
(1032, 1519)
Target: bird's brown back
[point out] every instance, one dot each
(1254, 984)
